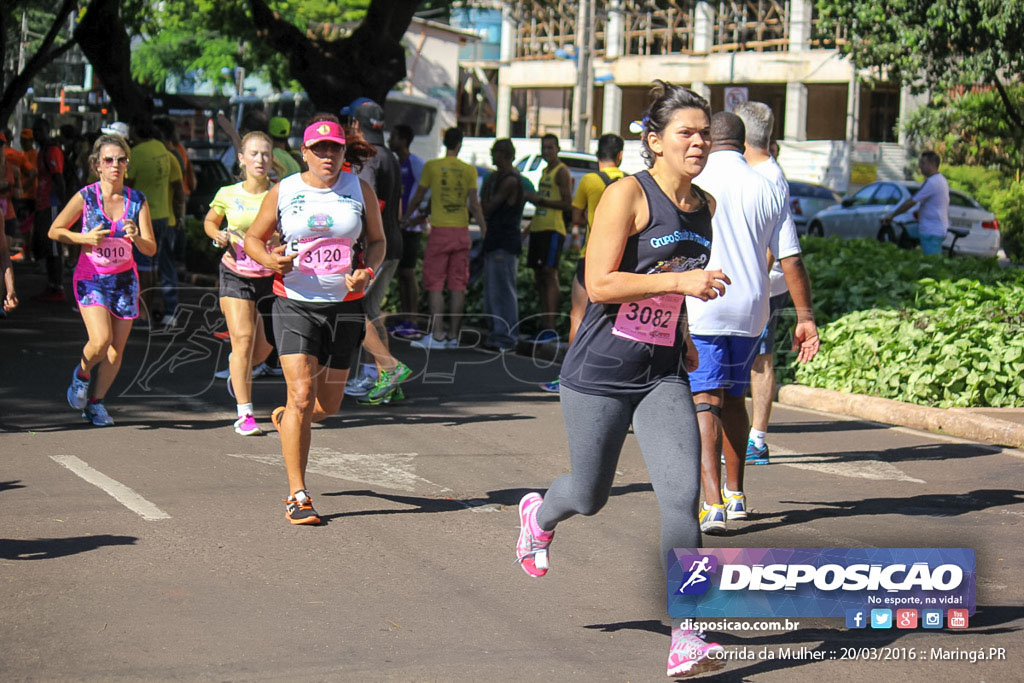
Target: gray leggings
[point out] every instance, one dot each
(666, 428)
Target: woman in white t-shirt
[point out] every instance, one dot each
(319, 216)
(243, 281)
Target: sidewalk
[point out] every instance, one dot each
(996, 426)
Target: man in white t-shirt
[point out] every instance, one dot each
(759, 122)
(933, 197)
(725, 331)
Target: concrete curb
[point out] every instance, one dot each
(953, 421)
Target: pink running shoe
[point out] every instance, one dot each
(532, 546)
(690, 654)
(246, 426)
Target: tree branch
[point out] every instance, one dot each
(1011, 110)
(19, 85)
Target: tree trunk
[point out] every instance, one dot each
(103, 38)
(19, 85)
(367, 63)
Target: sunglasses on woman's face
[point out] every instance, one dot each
(110, 161)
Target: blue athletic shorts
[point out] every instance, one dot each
(725, 363)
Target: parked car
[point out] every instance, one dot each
(806, 200)
(532, 168)
(211, 175)
(974, 229)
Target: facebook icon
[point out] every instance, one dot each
(856, 618)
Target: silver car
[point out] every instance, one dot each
(806, 200)
(973, 229)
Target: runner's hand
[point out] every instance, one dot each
(222, 239)
(357, 281)
(131, 230)
(94, 237)
(703, 284)
(805, 338)
(10, 302)
(280, 263)
(692, 358)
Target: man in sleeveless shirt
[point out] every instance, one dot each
(502, 203)
(547, 232)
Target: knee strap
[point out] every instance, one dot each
(707, 407)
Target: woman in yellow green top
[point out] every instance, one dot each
(243, 281)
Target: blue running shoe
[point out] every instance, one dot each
(78, 391)
(551, 387)
(97, 414)
(755, 455)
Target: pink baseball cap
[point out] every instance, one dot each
(323, 131)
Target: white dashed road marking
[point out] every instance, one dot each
(118, 491)
(390, 470)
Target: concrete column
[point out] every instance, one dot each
(795, 125)
(702, 89)
(503, 124)
(800, 25)
(611, 111)
(909, 103)
(704, 27)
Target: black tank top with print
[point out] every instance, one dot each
(627, 349)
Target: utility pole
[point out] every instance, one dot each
(582, 101)
(19, 109)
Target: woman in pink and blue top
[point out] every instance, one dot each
(319, 216)
(106, 282)
(243, 281)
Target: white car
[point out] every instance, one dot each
(532, 167)
(973, 230)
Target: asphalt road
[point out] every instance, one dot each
(199, 576)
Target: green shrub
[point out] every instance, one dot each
(926, 329)
(979, 182)
(1008, 206)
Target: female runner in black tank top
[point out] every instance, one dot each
(628, 364)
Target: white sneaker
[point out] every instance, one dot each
(226, 372)
(430, 342)
(360, 386)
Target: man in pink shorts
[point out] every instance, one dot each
(452, 186)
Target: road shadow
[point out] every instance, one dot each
(932, 451)
(419, 504)
(10, 485)
(49, 548)
(930, 505)
(987, 621)
(811, 427)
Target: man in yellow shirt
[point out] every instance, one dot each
(156, 173)
(584, 205)
(547, 232)
(452, 185)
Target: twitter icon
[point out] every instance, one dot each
(881, 618)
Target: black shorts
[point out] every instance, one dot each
(545, 249)
(329, 331)
(580, 272)
(410, 249)
(234, 286)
